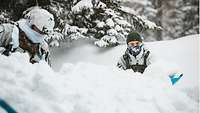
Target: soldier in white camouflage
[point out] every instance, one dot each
(28, 34)
(136, 56)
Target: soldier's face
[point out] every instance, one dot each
(134, 47)
(134, 43)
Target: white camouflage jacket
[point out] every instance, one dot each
(127, 61)
(9, 35)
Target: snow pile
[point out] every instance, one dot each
(179, 55)
(91, 87)
(86, 88)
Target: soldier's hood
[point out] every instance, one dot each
(34, 36)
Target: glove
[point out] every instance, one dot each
(45, 46)
(121, 66)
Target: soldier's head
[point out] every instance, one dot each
(134, 42)
(134, 37)
(40, 20)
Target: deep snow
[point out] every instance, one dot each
(87, 81)
(180, 55)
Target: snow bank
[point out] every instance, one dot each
(179, 55)
(91, 87)
(85, 88)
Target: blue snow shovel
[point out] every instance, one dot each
(175, 78)
(6, 107)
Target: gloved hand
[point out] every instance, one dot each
(44, 46)
(121, 66)
(45, 53)
(42, 54)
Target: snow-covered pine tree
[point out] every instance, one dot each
(190, 20)
(177, 17)
(146, 9)
(106, 21)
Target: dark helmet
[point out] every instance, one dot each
(134, 36)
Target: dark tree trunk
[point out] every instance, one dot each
(158, 6)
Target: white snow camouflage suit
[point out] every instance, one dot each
(9, 38)
(6, 34)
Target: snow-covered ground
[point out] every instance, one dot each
(84, 79)
(177, 55)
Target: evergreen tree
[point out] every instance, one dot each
(104, 20)
(147, 9)
(190, 20)
(177, 17)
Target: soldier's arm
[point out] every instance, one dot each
(122, 63)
